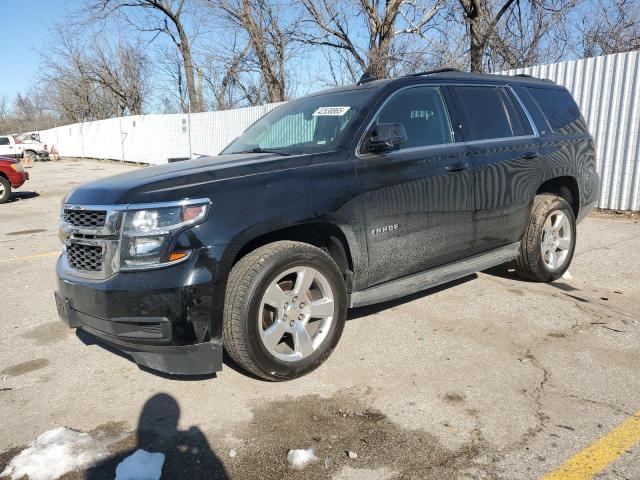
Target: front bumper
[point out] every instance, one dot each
(17, 179)
(158, 317)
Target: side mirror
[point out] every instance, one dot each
(386, 136)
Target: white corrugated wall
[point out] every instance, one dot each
(607, 89)
(153, 138)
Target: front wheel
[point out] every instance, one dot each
(549, 241)
(285, 309)
(5, 190)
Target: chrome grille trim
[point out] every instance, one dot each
(84, 218)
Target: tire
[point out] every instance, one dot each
(5, 190)
(247, 317)
(558, 241)
(33, 156)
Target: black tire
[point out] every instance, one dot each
(248, 281)
(33, 156)
(6, 190)
(530, 264)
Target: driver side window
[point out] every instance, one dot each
(422, 112)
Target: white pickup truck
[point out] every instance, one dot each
(11, 148)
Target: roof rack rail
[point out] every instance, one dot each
(526, 75)
(366, 78)
(431, 72)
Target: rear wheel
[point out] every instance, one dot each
(285, 309)
(5, 190)
(33, 156)
(548, 244)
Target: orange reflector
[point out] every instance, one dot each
(173, 256)
(189, 213)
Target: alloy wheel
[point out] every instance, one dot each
(296, 313)
(556, 240)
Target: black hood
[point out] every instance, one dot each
(180, 180)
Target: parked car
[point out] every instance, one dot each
(12, 175)
(340, 199)
(33, 147)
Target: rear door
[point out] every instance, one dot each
(417, 199)
(507, 168)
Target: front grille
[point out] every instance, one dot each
(85, 218)
(85, 257)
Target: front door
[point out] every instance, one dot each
(417, 199)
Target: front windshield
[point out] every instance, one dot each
(308, 125)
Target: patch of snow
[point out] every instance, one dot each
(567, 276)
(299, 458)
(54, 453)
(141, 465)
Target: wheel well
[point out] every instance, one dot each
(326, 236)
(3, 175)
(565, 187)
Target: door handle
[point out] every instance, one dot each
(456, 167)
(530, 155)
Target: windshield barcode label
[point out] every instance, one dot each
(331, 111)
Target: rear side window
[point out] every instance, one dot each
(4, 141)
(485, 113)
(422, 112)
(561, 111)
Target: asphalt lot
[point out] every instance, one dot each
(490, 377)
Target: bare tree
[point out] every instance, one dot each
(481, 18)
(614, 28)
(330, 26)
(269, 38)
(91, 79)
(4, 109)
(531, 32)
(164, 17)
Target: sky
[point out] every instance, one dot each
(26, 26)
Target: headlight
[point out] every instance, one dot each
(17, 167)
(148, 233)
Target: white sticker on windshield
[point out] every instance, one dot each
(331, 111)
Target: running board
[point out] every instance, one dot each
(434, 277)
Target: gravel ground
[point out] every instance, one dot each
(488, 377)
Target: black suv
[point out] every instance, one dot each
(340, 199)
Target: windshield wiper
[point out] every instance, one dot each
(266, 150)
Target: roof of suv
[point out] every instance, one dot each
(449, 76)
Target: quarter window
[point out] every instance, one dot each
(561, 111)
(4, 141)
(422, 112)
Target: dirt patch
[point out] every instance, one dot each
(48, 333)
(25, 367)
(6, 456)
(454, 398)
(334, 426)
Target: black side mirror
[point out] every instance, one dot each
(386, 136)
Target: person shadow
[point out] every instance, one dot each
(187, 452)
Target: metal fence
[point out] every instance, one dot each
(607, 88)
(153, 139)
